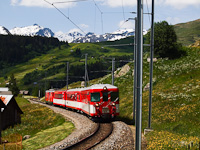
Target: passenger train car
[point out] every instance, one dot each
(99, 100)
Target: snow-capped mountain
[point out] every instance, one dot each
(32, 31)
(4, 31)
(73, 36)
(70, 36)
(117, 35)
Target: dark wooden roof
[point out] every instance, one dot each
(2, 105)
(11, 100)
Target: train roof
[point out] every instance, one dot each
(95, 86)
(50, 90)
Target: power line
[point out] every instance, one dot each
(102, 22)
(148, 12)
(97, 7)
(101, 14)
(123, 10)
(123, 24)
(95, 18)
(65, 16)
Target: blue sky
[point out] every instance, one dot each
(99, 16)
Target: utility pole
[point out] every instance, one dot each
(85, 70)
(139, 73)
(45, 86)
(67, 78)
(151, 66)
(113, 70)
(135, 71)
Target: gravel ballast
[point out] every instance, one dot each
(121, 137)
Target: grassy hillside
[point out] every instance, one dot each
(176, 100)
(189, 32)
(52, 65)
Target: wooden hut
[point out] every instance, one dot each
(11, 114)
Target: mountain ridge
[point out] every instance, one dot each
(73, 36)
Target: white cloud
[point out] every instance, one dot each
(85, 26)
(127, 25)
(14, 2)
(179, 4)
(74, 30)
(173, 20)
(41, 3)
(118, 3)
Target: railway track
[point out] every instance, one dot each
(103, 131)
(100, 134)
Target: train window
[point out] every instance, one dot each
(95, 97)
(105, 96)
(58, 96)
(114, 96)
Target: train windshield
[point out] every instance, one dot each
(114, 96)
(95, 97)
(105, 96)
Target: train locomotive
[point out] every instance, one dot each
(97, 101)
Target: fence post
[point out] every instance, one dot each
(188, 146)
(191, 144)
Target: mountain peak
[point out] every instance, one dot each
(35, 24)
(34, 30)
(4, 31)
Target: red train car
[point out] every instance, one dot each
(49, 95)
(100, 100)
(59, 98)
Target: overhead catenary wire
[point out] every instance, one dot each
(95, 16)
(101, 12)
(123, 10)
(65, 16)
(96, 6)
(148, 12)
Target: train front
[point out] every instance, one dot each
(105, 99)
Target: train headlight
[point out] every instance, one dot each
(97, 104)
(113, 104)
(104, 88)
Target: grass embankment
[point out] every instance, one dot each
(44, 126)
(176, 101)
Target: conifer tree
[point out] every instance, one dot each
(13, 85)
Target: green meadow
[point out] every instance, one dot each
(43, 125)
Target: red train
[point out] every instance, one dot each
(99, 100)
